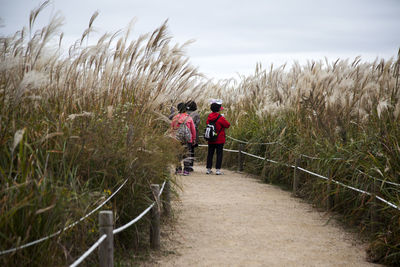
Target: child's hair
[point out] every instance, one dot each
(191, 105)
(181, 107)
(215, 107)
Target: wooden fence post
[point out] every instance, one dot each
(329, 199)
(106, 249)
(155, 219)
(240, 158)
(295, 177)
(167, 199)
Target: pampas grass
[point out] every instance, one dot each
(74, 126)
(344, 114)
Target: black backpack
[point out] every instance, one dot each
(210, 133)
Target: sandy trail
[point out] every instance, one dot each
(234, 220)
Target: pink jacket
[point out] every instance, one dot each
(180, 118)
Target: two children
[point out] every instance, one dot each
(216, 145)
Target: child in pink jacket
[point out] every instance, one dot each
(183, 117)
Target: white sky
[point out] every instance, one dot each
(232, 36)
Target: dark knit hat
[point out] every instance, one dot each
(181, 107)
(191, 105)
(215, 107)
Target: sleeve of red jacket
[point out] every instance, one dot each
(224, 122)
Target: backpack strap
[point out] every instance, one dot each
(179, 124)
(219, 116)
(188, 116)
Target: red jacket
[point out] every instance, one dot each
(220, 126)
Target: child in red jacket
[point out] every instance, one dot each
(221, 124)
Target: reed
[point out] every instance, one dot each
(73, 127)
(343, 109)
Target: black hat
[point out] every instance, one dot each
(215, 107)
(191, 105)
(181, 107)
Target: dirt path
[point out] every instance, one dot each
(234, 220)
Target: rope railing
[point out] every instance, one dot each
(65, 228)
(157, 192)
(318, 158)
(387, 182)
(313, 173)
(326, 178)
(122, 228)
(162, 188)
(89, 251)
(305, 156)
(250, 143)
(225, 149)
(277, 142)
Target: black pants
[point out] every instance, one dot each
(210, 155)
(185, 157)
(192, 154)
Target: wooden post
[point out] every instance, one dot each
(155, 219)
(167, 199)
(329, 199)
(295, 177)
(106, 249)
(240, 158)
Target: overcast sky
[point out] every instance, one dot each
(232, 36)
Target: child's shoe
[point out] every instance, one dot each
(209, 171)
(185, 173)
(218, 172)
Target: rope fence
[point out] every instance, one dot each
(387, 182)
(240, 167)
(316, 158)
(249, 143)
(106, 240)
(65, 228)
(106, 254)
(89, 251)
(302, 155)
(122, 228)
(273, 143)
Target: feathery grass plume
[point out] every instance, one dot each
(346, 109)
(35, 12)
(382, 107)
(17, 138)
(78, 109)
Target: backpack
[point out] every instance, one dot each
(210, 133)
(183, 133)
